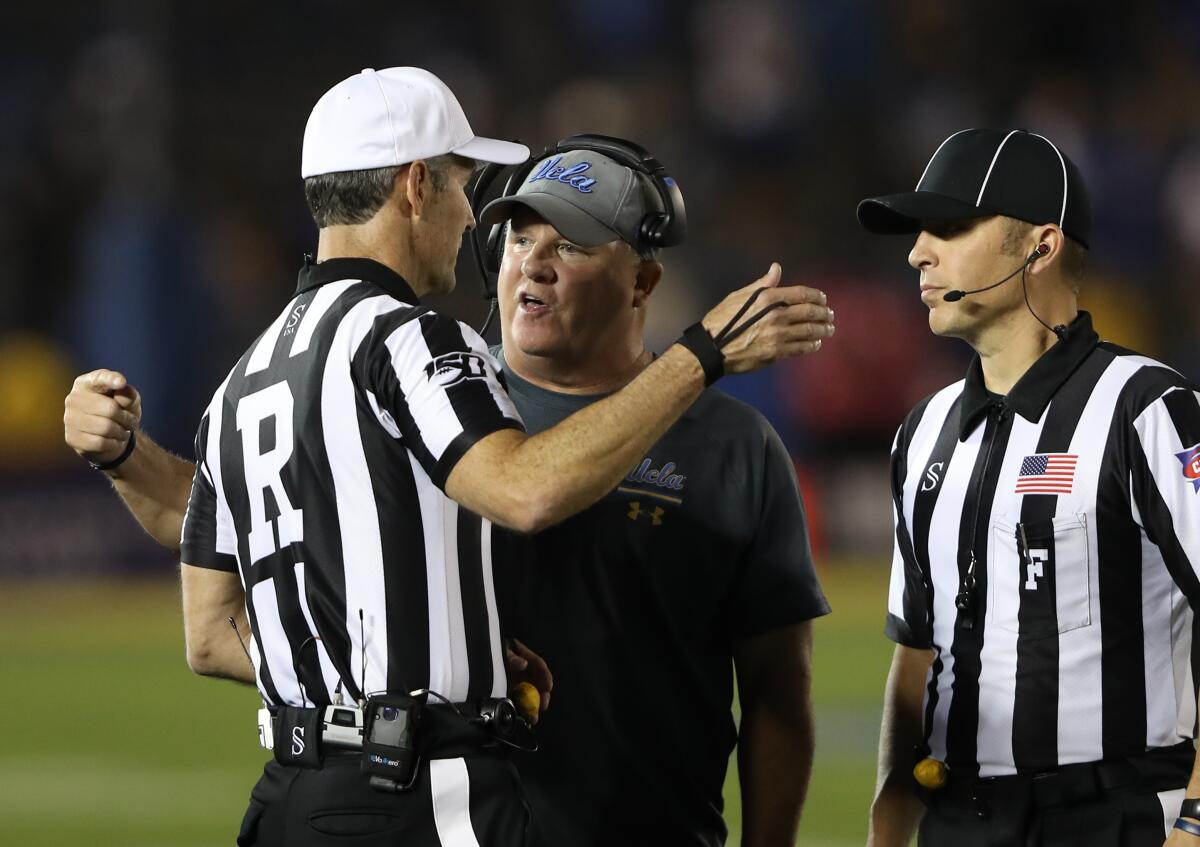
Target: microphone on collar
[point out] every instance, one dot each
(958, 294)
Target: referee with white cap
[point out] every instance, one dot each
(348, 470)
(1047, 549)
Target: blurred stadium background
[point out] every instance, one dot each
(152, 221)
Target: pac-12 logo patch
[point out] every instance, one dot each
(1190, 459)
(452, 368)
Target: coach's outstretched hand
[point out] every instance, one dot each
(796, 322)
(101, 412)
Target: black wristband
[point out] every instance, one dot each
(125, 454)
(1190, 808)
(1190, 827)
(696, 339)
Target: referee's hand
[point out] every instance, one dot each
(101, 411)
(524, 665)
(796, 323)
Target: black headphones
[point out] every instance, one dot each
(658, 229)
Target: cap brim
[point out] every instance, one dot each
(572, 222)
(493, 150)
(903, 213)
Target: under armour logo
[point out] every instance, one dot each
(655, 514)
(297, 740)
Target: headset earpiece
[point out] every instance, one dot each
(489, 256)
(651, 231)
(666, 230)
(494, 250)
(1042, 250)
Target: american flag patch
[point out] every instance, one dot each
(1047, 473)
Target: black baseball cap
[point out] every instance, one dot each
(977, 173)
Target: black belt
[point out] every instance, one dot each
(447, 732)
(1160, 769)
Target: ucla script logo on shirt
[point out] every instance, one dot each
(656, 485)
(1190, 459)
(452, 368)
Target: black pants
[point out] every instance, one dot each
(470, 801)
(1123, 817)
(1021, 812)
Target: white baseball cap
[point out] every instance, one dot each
(381, 119)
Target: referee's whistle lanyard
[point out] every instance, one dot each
(967, 600)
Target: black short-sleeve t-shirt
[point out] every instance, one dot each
(637, 603)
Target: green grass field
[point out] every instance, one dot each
(112, 741)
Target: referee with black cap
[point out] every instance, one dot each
(1046, 569)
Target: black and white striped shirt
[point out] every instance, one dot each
(1078, 497)
(320, 467)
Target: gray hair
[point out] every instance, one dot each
(353, 197)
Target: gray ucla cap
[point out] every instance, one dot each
(586, 196)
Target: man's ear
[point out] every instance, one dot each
(649, 273)
(1055, 241)
(399, 197)
(418, 185)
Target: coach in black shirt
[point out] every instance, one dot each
(697, 563)
(1047, 556)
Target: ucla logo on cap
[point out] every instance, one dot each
(573, 176)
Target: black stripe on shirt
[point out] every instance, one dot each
(402, 541)
(962, 723)
(476, 620)
(198, 545)
(1035, 708)
(1119, 576)
(923, 506)
(918, 590)
(233, 485)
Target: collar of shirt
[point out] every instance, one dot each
(313, 274)
(1033, 391)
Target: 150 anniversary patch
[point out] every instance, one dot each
(452, 368)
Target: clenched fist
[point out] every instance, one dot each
(102, 410)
